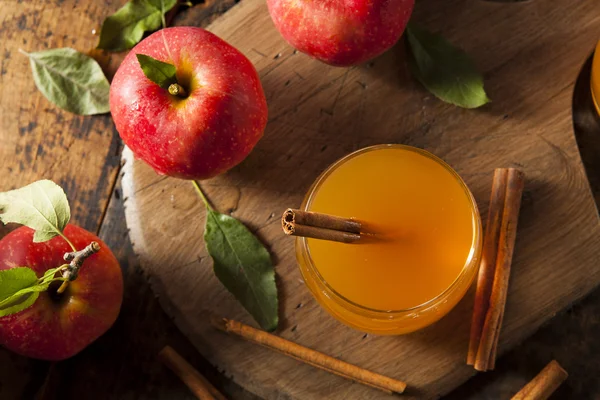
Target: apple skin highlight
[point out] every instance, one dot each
(207, 132)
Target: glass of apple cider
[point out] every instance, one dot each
(595, 81)
(426, 241)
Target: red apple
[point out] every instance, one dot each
(203, 134)
(58, 326)
(341, 32)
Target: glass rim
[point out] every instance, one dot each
(476, 241)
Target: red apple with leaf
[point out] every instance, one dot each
(192, 106)
(341, 32)
(60, 285)
(187, 103)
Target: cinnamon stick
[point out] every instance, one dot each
(197, 383)
(544, 384)
(309, 356)
(485, 358)
(494, 351)
(488, 261)
(318, 220)
(320, 226)
(320, 233)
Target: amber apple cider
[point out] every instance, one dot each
(425, 247)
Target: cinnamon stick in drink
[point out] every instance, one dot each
(320, 233)
(320, 226)
(319, 220)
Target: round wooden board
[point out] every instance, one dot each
(531, 54)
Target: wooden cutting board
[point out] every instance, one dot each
(531, 54)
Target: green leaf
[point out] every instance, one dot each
(243, 265)
(71, 80)
(12, 282)
(42, 206)
(23, 303)
(39, 286)
(444, 70)
(20, 288)
(125, 28)
(14, 279)
(18, 296)
(161, 73)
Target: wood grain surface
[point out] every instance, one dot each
(318, 114)
(39, 140)
(122, 363)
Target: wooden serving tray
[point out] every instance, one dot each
(530, 53)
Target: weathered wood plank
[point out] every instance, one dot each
(39, 140)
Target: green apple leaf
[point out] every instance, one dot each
(125, 28)
(161, 73)
(71, 80)
(242, 264)
(41, 205)
(20, 304)
(20, 288)
(443, 69)
(13, 281)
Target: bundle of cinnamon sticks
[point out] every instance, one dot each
(494, 271)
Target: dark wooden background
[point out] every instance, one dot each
(83, 155)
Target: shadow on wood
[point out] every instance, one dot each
(586, 124)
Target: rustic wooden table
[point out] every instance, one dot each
(83, 155)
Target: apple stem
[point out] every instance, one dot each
(202, 195)
(177, 90)
(76, 259)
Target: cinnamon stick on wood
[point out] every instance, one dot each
(508, 232)
(492, 283)
(544, 384)
(494, 351)
(308, 356)
(197, 383)
(320, 226)
(488, 261)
